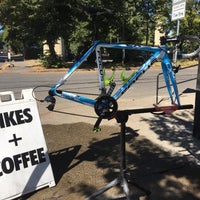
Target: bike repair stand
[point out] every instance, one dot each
(122, 118)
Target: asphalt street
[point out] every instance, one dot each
(140, 95)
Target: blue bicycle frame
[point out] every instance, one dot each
(158, 54)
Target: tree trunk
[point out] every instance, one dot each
(147, 32)
(51, 48)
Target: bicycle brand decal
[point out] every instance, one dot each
(21, 161)
(15, 117)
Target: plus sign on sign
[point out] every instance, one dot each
(24, 161)
(178, 9)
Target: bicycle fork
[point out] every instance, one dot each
(170, 81)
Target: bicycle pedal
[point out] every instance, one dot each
(51, 106)
(96, 129)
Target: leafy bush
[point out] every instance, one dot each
(49, 61)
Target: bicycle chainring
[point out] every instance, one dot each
(106, 107)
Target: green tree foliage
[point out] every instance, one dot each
(191, 23)
(16, 17)
(27, 22)
(33, 21)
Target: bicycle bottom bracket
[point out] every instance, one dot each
(106, 107)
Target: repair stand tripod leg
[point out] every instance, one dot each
(122, 118)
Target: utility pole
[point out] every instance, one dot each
(196, 130)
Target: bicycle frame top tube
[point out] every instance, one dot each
(129, 46)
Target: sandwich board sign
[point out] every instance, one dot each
(178, 9)
(24, 161)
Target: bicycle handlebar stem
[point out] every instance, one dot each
(178, 41)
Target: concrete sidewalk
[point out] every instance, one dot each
(162, 154)
(172, 132)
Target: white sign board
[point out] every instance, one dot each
(24, 161)
(178, 9)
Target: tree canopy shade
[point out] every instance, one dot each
(27, 22)
(30, 21)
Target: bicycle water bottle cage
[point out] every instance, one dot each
(108, 80)
(125, 79)
(106, 107)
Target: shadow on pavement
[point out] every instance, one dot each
(83, 162)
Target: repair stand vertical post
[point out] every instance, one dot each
(196, 130)
(122, 118)
(121, 180)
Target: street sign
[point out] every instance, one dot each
(178, 9)
(24, 161)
